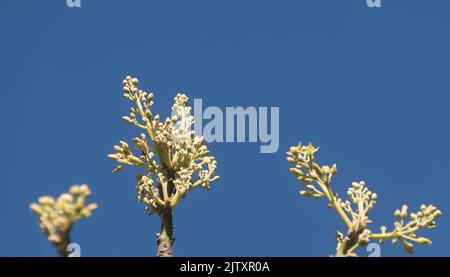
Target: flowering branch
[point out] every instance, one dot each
(57, 217)
(174, 159)
(316, 180)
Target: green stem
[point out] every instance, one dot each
(62, 247)
(325, 187)
(165, 237)
(349, 244)
(393, 234)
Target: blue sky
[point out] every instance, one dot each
(370, 86)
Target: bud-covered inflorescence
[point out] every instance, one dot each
(175, 160)
(315, 181)
(56, 217)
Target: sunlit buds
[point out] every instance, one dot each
(56, 217)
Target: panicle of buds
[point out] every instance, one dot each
(57, 216)
(174, 158)
(315, 181)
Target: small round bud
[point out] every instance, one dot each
(46, 200)
(35, 208)
(437, 213)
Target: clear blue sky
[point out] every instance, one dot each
(370, 86)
